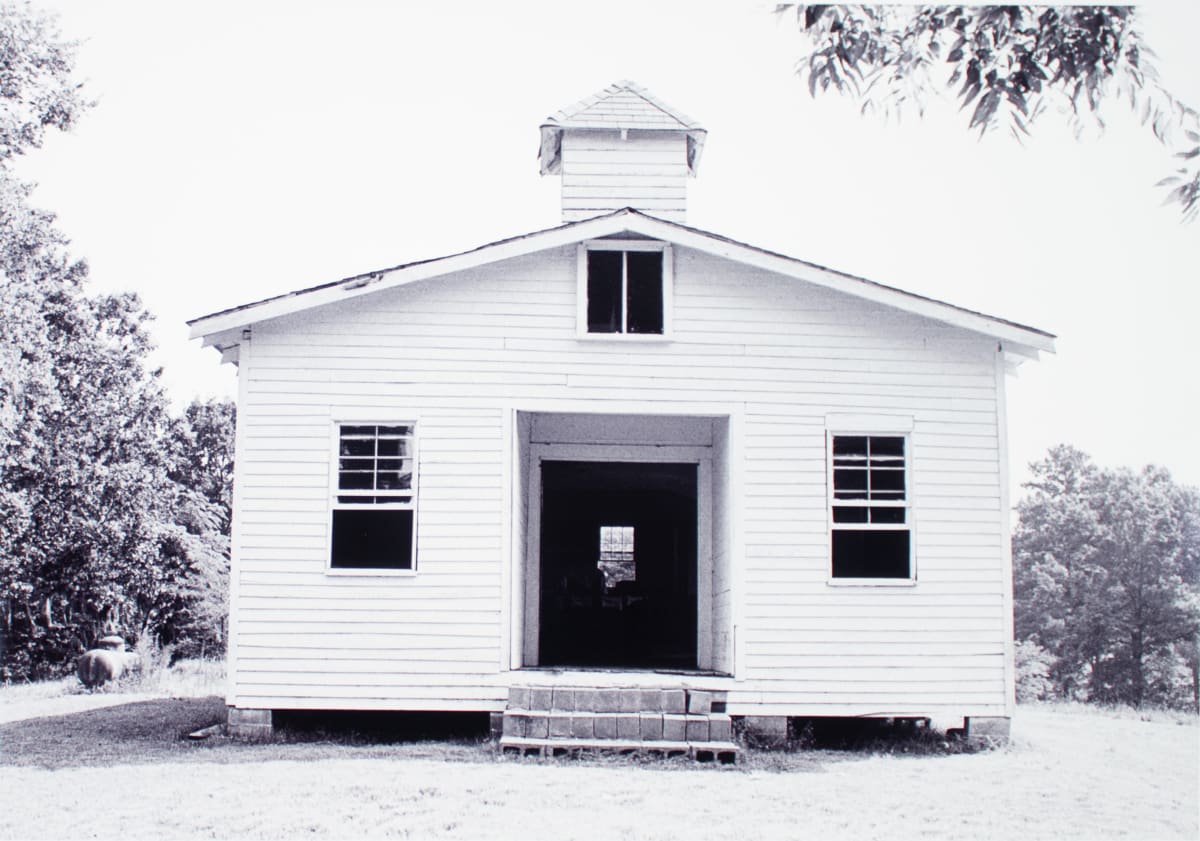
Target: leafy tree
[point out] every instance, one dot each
(1059, 582)
(202, 461)
(111, 517)
(1004, 64)
(1107, 579)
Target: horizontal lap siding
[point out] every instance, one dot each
(644, 171)
(457, 353)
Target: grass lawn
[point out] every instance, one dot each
(124, 771)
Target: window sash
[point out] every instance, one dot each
(382, 459)
(376, 465)
(868, 492)
(637, 309)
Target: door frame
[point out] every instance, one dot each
(629, 453)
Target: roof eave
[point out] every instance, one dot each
(1019, 339)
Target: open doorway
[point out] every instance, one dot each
(618, 565)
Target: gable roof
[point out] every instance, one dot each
(224, 328)
(622, 105)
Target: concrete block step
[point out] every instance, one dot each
(709, 751)
(603, 726)
(615, 699)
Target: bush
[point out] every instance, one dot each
(1033, 667)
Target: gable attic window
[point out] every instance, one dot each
(871, 532)
(374, 503)
(624, 288)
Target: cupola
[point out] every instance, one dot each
(622, 147)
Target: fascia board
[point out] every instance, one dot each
(388, 279)
(1019, 340)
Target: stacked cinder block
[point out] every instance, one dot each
(565, 720)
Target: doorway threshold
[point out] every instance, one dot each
(650, 670)
(605, 676)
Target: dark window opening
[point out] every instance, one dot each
(372, 538)
(604, 311)
(870, 554)
(625, 292)
(644, 293)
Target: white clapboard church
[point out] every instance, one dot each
(620, 480)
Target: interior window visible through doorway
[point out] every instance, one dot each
(617, 561)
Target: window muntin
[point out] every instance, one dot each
(871, 536)
(625, 287)
(373, 517)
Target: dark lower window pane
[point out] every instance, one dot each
(871, 554)
(379, 539)
(604, 292)
(645, 291)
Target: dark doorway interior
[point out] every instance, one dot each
(618, 564)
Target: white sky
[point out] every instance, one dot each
(243, 149)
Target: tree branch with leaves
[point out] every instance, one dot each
(1007, 66)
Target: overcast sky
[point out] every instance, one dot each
(243, 149)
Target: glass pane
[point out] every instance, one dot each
(644, 291)
(352, 464)
(356, 480)
(378, 539)
(604, 292)
(887, 446)
(394, 480)
(849, 446)
(844, 514)
(393, 446)
(886, 515)
(871, 554)
(368, 431)
(849, 483)
(357, 446)
(395, 430)
(887, 484)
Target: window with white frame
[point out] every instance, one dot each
(625, 287)
(374, 503)
(871, 530)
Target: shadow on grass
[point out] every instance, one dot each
(156, 731)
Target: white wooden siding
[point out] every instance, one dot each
(458, 354)
(601, 172)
